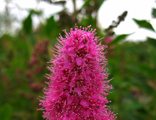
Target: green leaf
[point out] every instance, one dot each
(152, 41)
(154, 12)
(6, 112)
(51, 27)
(119, 38)
(27, 24)
(144, 24)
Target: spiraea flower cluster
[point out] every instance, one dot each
(78, 84)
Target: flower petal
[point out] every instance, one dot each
(78, 90)
(70, 99)
(66, 118)
(79, 61)
(84, 103)
(73, 115)
(81, 46)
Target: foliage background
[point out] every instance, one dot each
(24, 57)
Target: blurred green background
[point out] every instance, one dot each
(24, 56)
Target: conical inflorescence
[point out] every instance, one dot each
(78, 84)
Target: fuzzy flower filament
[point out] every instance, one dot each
(78, 84)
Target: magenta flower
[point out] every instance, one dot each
(78, 83)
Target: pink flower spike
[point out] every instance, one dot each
(78, 84)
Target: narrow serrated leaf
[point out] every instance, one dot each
(119, 38)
